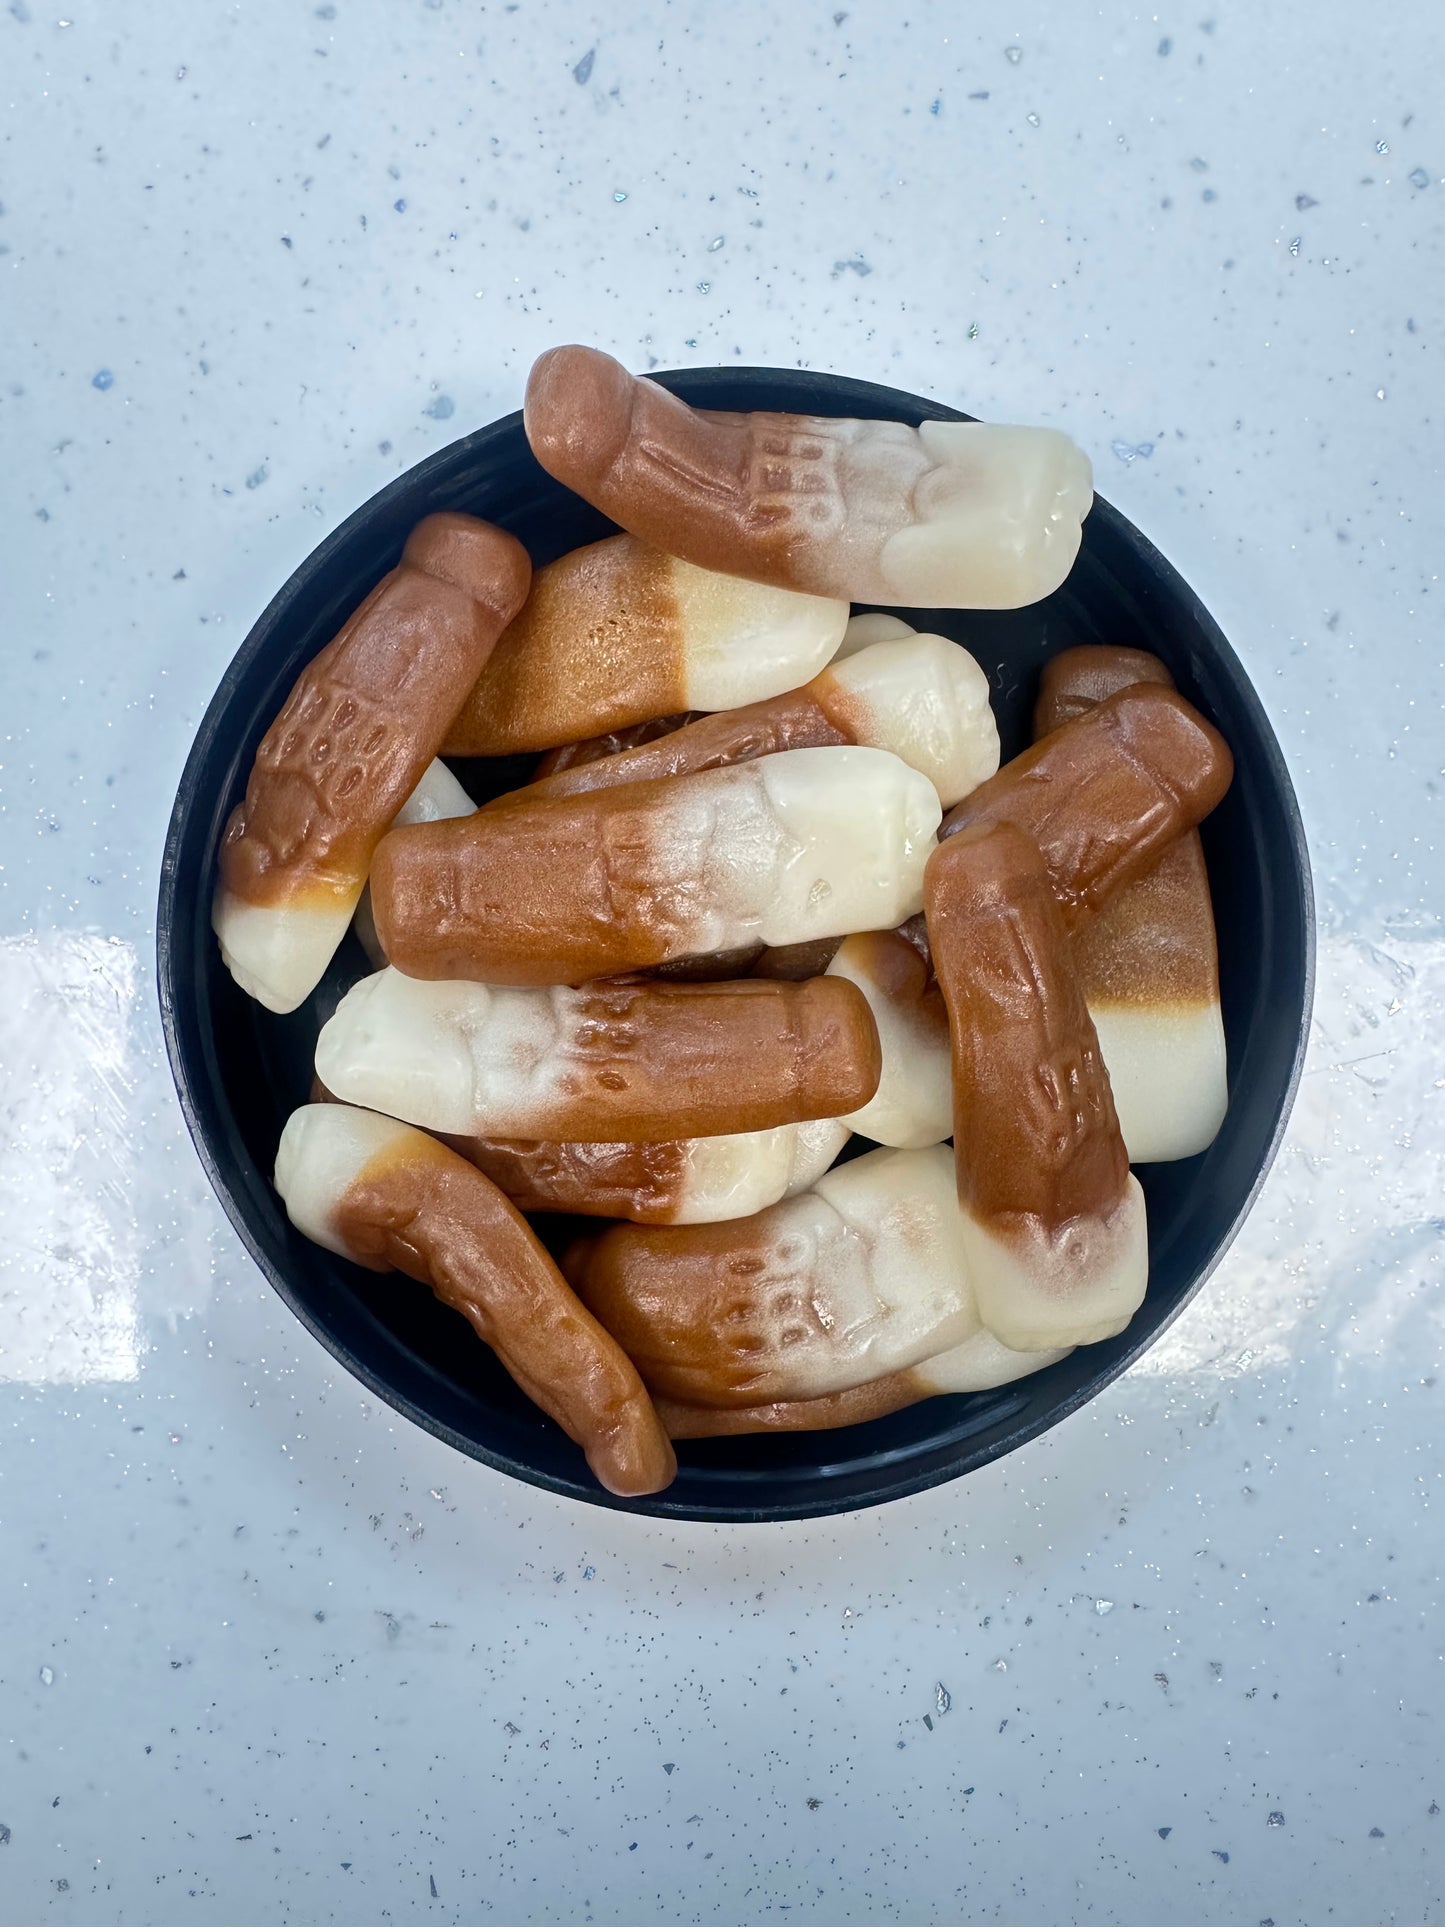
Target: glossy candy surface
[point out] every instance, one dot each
(810, 843)
(386, 1197)
(860, 1277)
(616, 633)
(362, 722)
(699, 1180)
(1148, 962)
(945, 515)
(1105, 795)
(921, 697)
(614, 1062)
(1052, 1218)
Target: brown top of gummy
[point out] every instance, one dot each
(1154, 941)
(608, 744)
(598, 641)
(731, 492)
(1077, 679)
(544, 889)
(1107, 793)
(794, 720)
(644, 1182)
(690, 1304)
(425, 1211)
(368, 714)
(706, 1060)
(1035, 1132)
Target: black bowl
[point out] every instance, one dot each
(240, 1070)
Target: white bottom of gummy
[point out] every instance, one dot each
(323, 1150)
(438, 794)
(981, 1363)
(459, 1057)
(1167, 1069)
(1036, 1293)
(853, 829)
(278, 953)
(925, 699)
(998, 519)
(734, 1176)
(742, 641)
(913, 1105)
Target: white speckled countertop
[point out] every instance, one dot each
(267, 1653)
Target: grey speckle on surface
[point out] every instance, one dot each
(142, 220)
(1164, 1832)
(4, 1834)
(1220, 1854)
(1418, 177)
(1377, 1833)
(441, 408)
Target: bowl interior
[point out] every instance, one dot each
(240, 1070)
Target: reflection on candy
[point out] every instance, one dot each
(437, 795)
(621, 1061)
(699, 1180)
(364, 719)
(1106, 794)
(616, 633)
(979, 1364)
(1148, 961)
(812, 843)
(1052, 1219)
(913, 1105)
(922, 697)
(946, 515)
(860, 1277)
(389, 1197)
